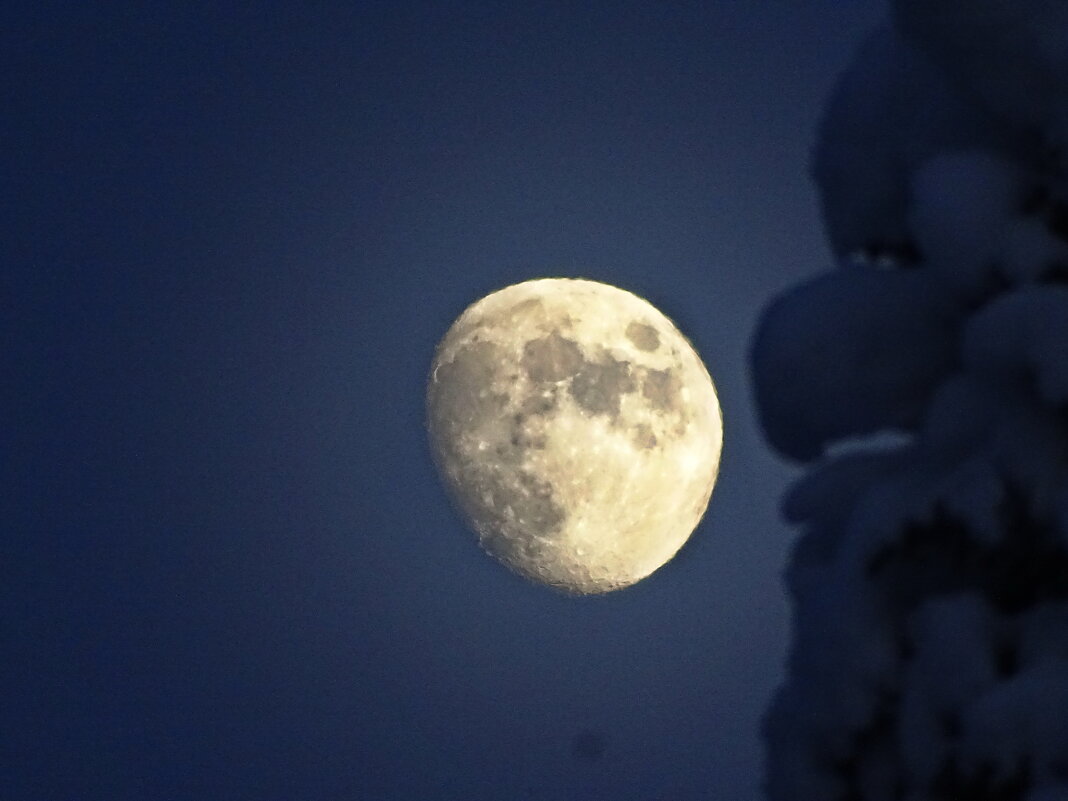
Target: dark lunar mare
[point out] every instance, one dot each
(515, 511)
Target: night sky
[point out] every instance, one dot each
(231, 237)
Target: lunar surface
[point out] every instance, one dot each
(576, 429)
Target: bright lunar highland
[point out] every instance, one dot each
(576, 429)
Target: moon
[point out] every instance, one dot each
(576, 430)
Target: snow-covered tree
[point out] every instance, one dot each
(925, 381)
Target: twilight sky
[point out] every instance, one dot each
(233, 237)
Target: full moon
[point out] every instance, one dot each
(577, 431)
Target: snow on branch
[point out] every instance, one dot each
(930, 581)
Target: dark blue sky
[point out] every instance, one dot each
(232, 236)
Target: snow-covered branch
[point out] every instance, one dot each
(930, 580)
